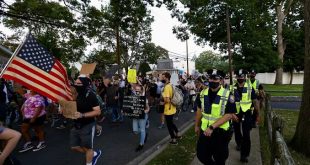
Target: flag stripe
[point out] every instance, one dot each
(63, 71)
(34, 67)
(58, 81)
(35, 87)
(32, 78)
(24, 68)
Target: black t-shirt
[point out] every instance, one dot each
(85, 104)
(230, 106)
(102, 91)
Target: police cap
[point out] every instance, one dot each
(241, 73)
(215, 74)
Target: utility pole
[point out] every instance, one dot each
(229, 46)
(118, 54)
(187, 58)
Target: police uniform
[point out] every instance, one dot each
(244, 97)
(213, 106)
(255, 84)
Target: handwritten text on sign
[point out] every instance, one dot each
(134, 106)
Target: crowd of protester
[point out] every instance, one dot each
(25, 109)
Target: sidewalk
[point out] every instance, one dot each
(234, 155)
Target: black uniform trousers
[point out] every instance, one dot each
(213, 150)
(242, 130)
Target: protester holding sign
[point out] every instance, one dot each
(82, 134)
(140, 123)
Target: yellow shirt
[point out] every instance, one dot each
(169, 108)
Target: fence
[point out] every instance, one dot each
(280, 154)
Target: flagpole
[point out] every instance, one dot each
(14, 54)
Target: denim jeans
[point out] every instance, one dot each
(138, 126)
(113, 109)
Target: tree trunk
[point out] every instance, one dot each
(280, 17)
(301, 138)
(291, 78)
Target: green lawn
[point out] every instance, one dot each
(183, 153)
(293, 87)
(283, 90)
(290, 117)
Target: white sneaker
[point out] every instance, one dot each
(27, 146)
(40, 146)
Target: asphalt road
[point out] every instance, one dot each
(117, 142)
(286, 105)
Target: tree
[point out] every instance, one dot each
(282, 8)
(143, 68)
(294, 31)
(53, 24)
(251, 29)
(210, 60)
(103, 58)
(302, 135)
(151, 53)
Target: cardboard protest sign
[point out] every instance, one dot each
(88, 68)
(174, 79)
(134, 106)
(68, 108)
(132, 76)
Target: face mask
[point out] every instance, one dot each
(80, 89)
(214, 85)
(252, 77)
(28, 91)
(240, 81)
(138, 92)
(163, 81)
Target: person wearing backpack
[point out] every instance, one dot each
(169, 108)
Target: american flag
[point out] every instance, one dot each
(34, 67)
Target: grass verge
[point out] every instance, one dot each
(183, 153)
(284, 89)
(290, 117)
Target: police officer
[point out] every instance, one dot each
(215, 108)
(255, 83)
(244, 97)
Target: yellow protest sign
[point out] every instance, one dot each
(132, 76)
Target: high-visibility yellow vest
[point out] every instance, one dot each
(255, 84)
(245, 100)
(217, 109)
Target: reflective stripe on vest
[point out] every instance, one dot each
(245, 101)
(217, 109)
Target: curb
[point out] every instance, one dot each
(286, 98)
(152, 152)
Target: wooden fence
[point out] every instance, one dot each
(280, 154)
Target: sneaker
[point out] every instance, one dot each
(173, 142)
(192, 111)
(40, 146)
(161, 126)
(98, 132)
(27, 146)
(95, 158)
(139, 148)
(61, 127)
(178, 137)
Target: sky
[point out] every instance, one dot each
(161, 35)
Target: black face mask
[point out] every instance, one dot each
(163, 81)
(240, 81)
(80, 89)
(214, 85)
